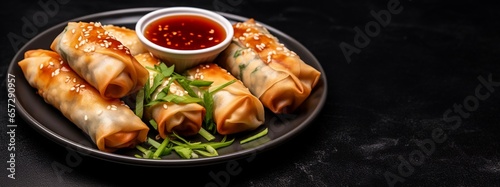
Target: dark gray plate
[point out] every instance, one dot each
(51, 123)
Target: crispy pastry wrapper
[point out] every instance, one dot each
(127, 37)
(235, 108)
(273, 73)
(183, 119)
(109, 123)
(100, 59)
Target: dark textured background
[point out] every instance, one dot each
(392, 95)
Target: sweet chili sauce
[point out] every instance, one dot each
(185, 32)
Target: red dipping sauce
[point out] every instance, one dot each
(185, 32)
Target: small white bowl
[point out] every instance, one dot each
(184, 59)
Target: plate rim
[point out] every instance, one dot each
(125, 159)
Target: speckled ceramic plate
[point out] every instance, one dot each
(52, 124)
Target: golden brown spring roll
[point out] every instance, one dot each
(109, 123)
(100, 59)
(276, 75)
(127, 37)
(235, 108)
(183, 119)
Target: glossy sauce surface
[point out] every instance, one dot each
(185, 32)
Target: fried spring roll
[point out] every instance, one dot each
(127, 37)
(183, 119)
(235, 108)
(100, 59)
(109, 123)
(273, 73)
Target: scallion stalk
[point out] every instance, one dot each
(161, 148)
(206, 134)
(255, 136)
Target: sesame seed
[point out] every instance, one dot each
(55, 72)
(165, 106)
(81, 43)
(86, 118)
(99, 112)
(41, 66)
(112, 107)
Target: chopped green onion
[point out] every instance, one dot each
(223, 86)
(139, 103)
(166, 71)
(208, 103)
(217, 145)
(157, 81)
(159, 150)
(238, 53)
(147, 153)
(157, 145)
(153, 142)
(200, 83)
(183, 148)
(185, 84)
(180, 138)
(153, 124)
(254, 137)
(194, 155)
(206, 134)
(210, 151)
(184, 152)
